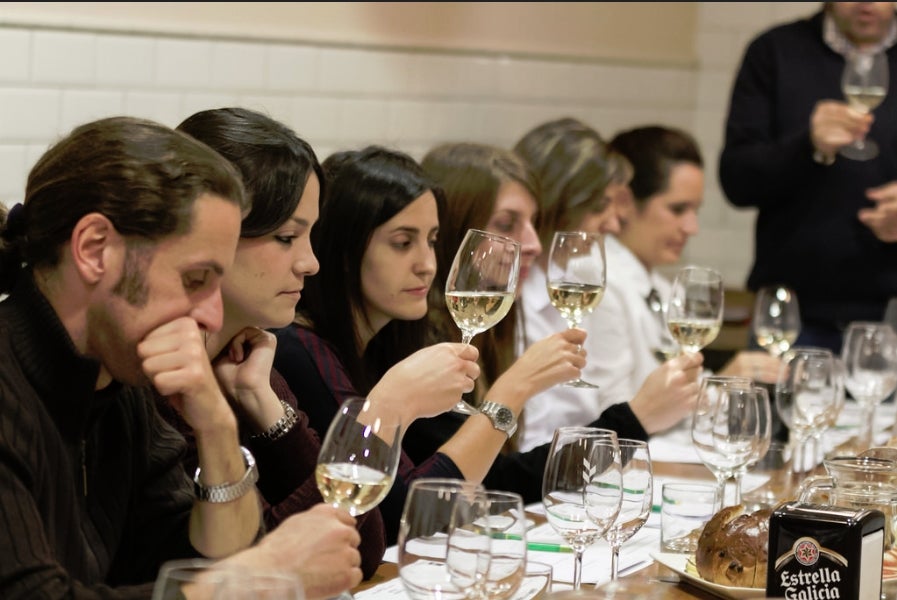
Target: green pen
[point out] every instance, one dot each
(534, 546)
(546, 547)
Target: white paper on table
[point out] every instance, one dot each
(596, 558)
(674, 445)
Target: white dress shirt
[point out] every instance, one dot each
(622, 335)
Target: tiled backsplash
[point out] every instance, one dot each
(52, 80)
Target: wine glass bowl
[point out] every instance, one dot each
(776, 319)
(481, 285)
(695, 310)
(581, 487)
(359, 456)
(507, 524)
(869, 354)
(806, 395)
(864, 83)
(576, 278)
(432, 559)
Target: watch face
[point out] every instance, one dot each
(504, 416)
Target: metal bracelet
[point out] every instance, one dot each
(283, 425)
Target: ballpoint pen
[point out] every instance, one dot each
(534, 546)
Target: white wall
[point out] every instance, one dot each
(341, 96)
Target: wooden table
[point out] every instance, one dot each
(654, 581)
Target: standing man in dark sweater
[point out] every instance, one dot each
(827, 225)
(113, 267)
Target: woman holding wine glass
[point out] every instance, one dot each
(581, 179)
(361, 317)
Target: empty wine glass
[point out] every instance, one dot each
(203, 577)
(576, 277)
(481, 285)
(764, 435)
(864, 83)
(636, 499)
(725, 427)
(776, 319)
(435, 559)
(581, 487)
(806, 394)
(359, 456)
(507, 524)
(869, 353)
(695, 309)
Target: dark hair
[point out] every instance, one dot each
(144, 177)
(574, 166)
(653, 151)
(370, 187)
(274, 162)
(471, 175)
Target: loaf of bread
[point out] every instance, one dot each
(733, 548)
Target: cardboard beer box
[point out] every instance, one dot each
(821, 552)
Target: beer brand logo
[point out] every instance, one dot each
(806, 552)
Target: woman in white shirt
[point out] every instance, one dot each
(580, 181)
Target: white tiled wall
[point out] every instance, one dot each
(52, 80)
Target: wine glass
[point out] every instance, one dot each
(202, 576)
(581, 487)
(359, 456)
(725, 428)
(764, 436)
(869, 353)
(636, 499)
(576, 277)
(776, 319)
(864, 83)
(507, 524)
(435, 559)
(695, 309)
(806, 394)
(481, 285)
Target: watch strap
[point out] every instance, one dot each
(228, 492)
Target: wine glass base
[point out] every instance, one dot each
(867, 151)
(579, 383)
(464, 408)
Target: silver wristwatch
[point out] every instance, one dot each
(228, 492)
(501, 416)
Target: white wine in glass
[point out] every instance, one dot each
(481, 286)
(359, 456)
(776, 319)
(695, 309)
(576, 277)
(865, 84)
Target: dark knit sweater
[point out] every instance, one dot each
(807, 232)
(93, 495)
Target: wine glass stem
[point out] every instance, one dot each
(577, 568)
(614, 562)
(867, 423)
(720, 492)
(800, 456)
(736, 500)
